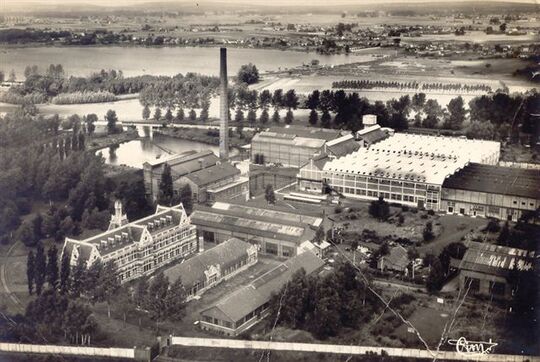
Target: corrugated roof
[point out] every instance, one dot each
(342, 146)
(471, 150)
(213, 174)
(496, 180)
(402, 166)
(495, 259)
(192, 270)
(240, 303)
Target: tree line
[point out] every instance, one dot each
(372, 84)
(326, 305)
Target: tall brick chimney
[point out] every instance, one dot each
(223, 106)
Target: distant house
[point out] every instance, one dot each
(370, 135)
(209, 268)
(397, 260)
(243, 308)
(485, 268)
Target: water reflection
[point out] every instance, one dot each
(135, 153)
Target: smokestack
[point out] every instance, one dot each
(223, 106)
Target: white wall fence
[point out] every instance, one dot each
(343, 349)
(533, 166)
(128, 353)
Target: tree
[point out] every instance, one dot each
(180, 115)
(168, 115)
(504, 235)
(251, 117)
(192, 115)
(239, 115)
(65, 270)
(379, 209)
(481, 130)
(456, 114)
(418, 101)
(141, 293)
(264, 118)
(313, 100)
(277, 99)
(203, 116)
(26, 234)
(40, 269)
(289, 117)
(427, 233)
(186, 198)
(90, 122)
(111, 119)
(433, 112)
(326, 119)
(156, 300)
(275, 117)
(291, 99)
(52, 267)
(166, 191)
(30, 271)
(435, 279)
(313, 117)
(248, 74)
(269, 194)
(265, 99)
(12, 76)
(146, 112)
(175, 301)
(79, 278)
(157, 114)
(107, 285)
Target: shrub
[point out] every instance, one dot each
(338, 209)
(84, 97)
(431, 212)
(404, 208)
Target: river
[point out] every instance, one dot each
(134, 153)
(82, 61)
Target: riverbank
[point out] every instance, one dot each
(103, 141)
(208, 136)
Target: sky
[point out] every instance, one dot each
(257, 2)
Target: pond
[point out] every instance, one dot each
(134, 153)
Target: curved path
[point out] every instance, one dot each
(11, 296)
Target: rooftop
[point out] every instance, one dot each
(192, 270)
(213, 174)
(242, 302)
(298, 136)
(258, 221)
(396, 165)
(342, 146)
(495, 259)
(497, 180)
(471, 150)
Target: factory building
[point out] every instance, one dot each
(242, 309)
(140, 247)
(211, 267)
(479, 151)
(504, 193)
(486, 268)
(293, 146)
(181, 165)
(279, 233)
(402, 168)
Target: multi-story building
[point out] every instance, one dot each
(181, 165)
(295, 146)
(222, 181)
(140, 247)
(211, 267)
(277, 232)
(491, 191)
(403, 168)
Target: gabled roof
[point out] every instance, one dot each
(397, 259)
(213, 174)
(225, 255)
(242, 302)
(342, 146)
